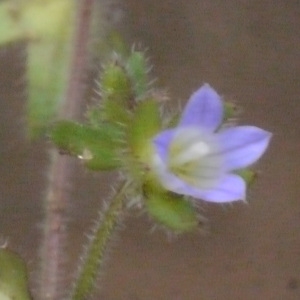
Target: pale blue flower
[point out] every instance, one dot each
(196, 160)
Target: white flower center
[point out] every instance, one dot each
(190, 157)
(192, 153)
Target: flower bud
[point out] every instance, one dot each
(171, 210)
(13, 276)
(146, 123)
(116, 94)
(138, 72)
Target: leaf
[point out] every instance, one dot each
(48, 59)
(97, 147)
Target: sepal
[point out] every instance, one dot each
(230, 111)
(171, 210)
(248, 175)
(116, 94)
(146, 123)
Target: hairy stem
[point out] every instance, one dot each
(95, 254)
(52, 256)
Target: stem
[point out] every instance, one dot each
(75, 89)
(54, 231)
(98, 245)
(52, 256)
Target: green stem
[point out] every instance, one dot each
(98, 245)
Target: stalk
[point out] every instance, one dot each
(53, 246)
(95, 255)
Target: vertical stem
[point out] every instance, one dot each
(75, 88)
(98, 245)
(52, 275)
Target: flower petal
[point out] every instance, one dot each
(204, 109)
(162, 143)
(230, 188)
(242, 146)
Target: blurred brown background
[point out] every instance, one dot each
(249, 51)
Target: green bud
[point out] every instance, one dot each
(171, 210)
(97, 147)
(116, 94)
(13, 277)
(138, 72)
(146, 123)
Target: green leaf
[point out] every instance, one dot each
(97, 147)
(48, 59)
(13, 277)
(172, 211)
(47, 71)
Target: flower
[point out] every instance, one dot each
(196, 159)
